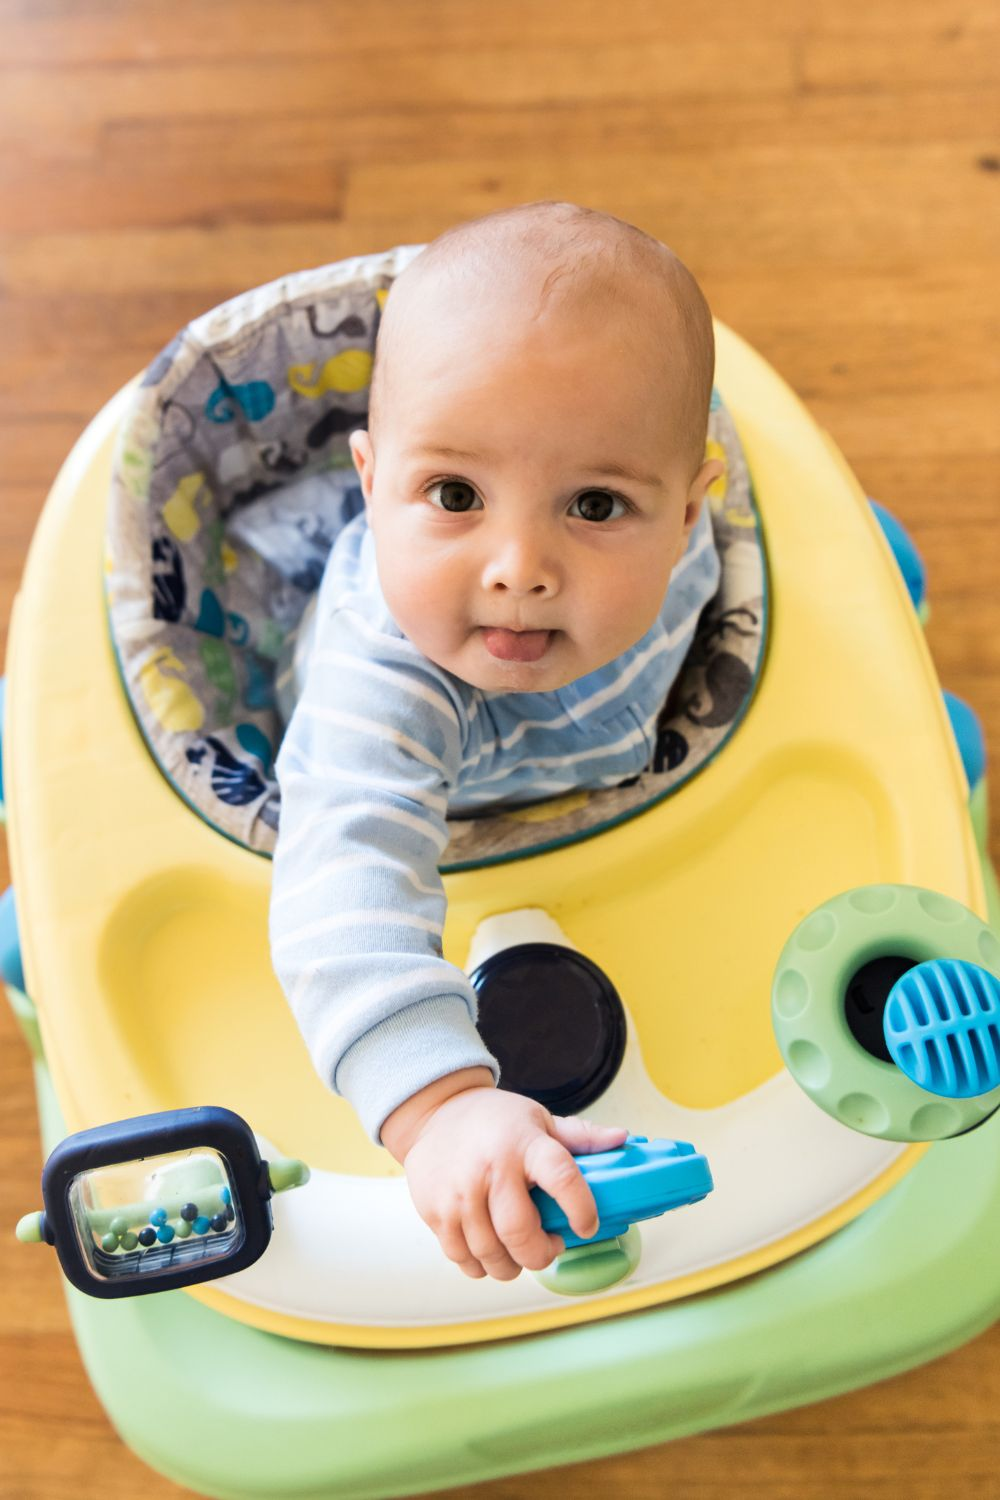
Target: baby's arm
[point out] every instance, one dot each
(471, 1152)
(357, 911)
(357, 904)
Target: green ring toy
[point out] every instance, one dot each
(808, 1006)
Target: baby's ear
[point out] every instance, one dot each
(709, 472)
(364, 460)
(692, 511)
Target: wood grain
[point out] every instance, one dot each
(831, 174)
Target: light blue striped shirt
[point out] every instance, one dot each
(381, 746)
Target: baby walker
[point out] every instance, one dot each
(773, 955)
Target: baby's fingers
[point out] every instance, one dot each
(456, 1248)
(581, 1136)
(519, 1224)
(484, 1242)
(552, 1167)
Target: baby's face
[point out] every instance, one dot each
(526, 527)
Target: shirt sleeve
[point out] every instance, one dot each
(370, 753)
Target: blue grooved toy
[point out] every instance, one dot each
(942, 1027)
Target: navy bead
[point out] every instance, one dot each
(147, 1236)
(219, 1223)
(189, 1212)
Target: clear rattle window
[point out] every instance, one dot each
(157, 1214)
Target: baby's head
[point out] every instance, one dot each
(535, 453)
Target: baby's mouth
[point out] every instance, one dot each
(516, 645)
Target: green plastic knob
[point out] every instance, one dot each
(285, 1172)
(591, 1268)
(29, 1229)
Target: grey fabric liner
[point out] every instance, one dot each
(231, 477)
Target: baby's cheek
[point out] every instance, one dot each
(402, 592)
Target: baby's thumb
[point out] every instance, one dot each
(582, 1136)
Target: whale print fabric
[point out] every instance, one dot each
(232, 477)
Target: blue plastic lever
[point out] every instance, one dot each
(640, 1179)
(942, 1027)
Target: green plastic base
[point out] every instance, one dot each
(236, 1414)
(233, 1413)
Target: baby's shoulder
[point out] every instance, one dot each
(361, 654)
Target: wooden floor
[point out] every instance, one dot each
(831, 174)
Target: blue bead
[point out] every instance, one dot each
(158, 1217)
(164, 1234)
(225, 1195)
(201, 1225)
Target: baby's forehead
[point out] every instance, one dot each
(531, 273)
(440, 315)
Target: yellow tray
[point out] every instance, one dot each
(145, 935)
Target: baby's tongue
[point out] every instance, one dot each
(512, 645)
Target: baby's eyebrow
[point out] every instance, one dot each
(439, 451)
(627, 471)
(614, 470)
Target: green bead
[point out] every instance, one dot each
(129, 1240)
(109, 1242)
(119, 1226)
(182, 1229)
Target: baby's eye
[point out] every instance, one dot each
(451, 493)
(599, 500)
(594, 503)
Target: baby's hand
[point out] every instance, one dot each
(469, 1165)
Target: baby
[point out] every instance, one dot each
(494, 628)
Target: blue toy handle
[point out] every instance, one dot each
(640, 1179)
(942, 1027)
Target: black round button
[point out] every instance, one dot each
(554, 1022)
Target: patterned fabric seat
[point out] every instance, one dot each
(231, 478)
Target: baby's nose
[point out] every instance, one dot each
(523, 564)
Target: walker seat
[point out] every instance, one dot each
(806, 756)
(231, 480)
